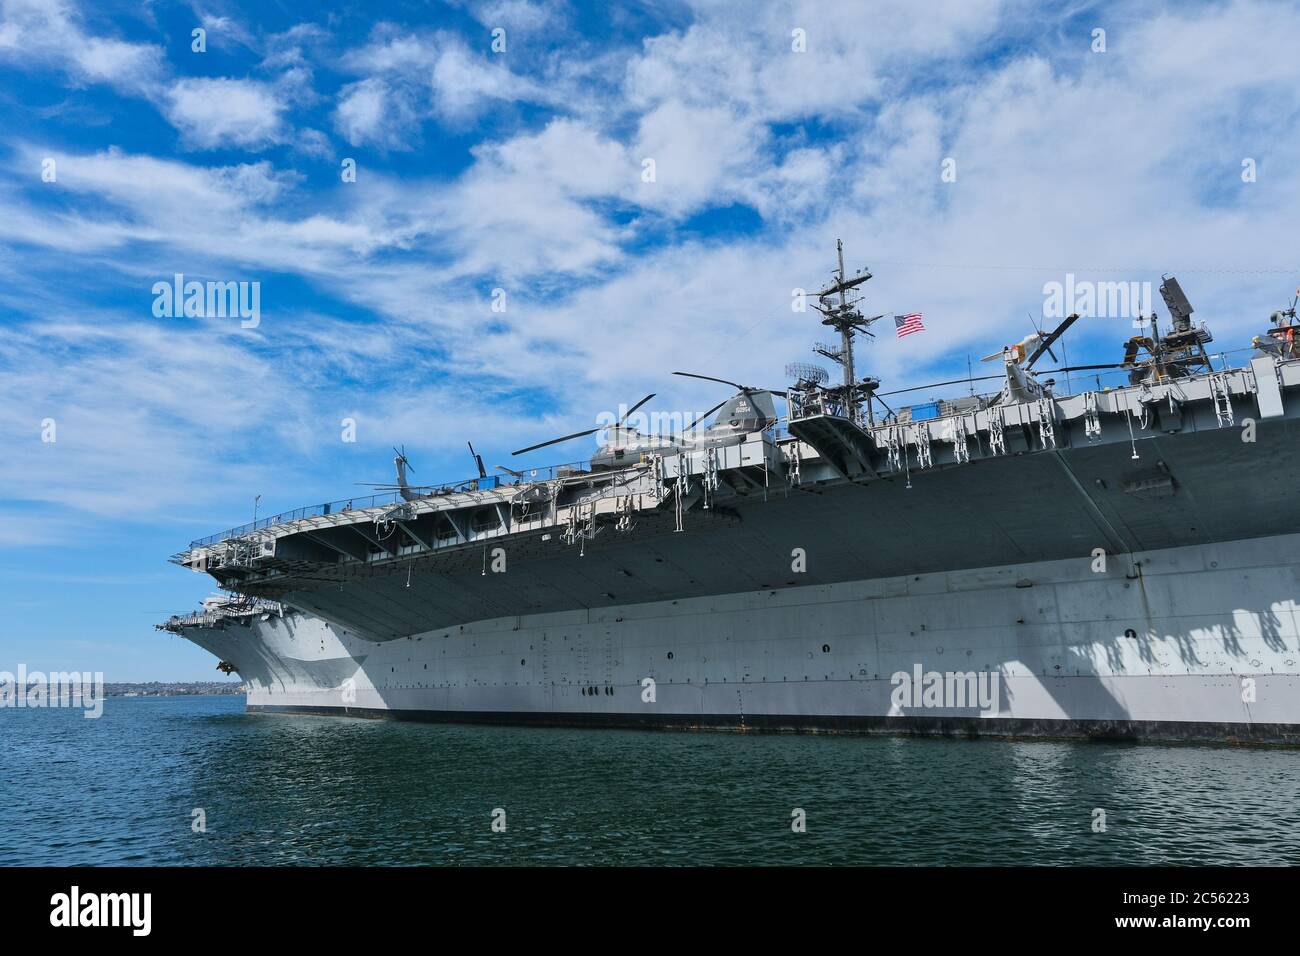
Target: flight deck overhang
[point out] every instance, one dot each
(1050, 476)
(332, 539)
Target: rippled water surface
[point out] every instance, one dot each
(304, 790)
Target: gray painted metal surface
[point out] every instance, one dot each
(1203, 637)
(785, 582)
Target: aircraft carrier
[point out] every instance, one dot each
(1120, 562)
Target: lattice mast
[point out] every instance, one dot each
(846, 319)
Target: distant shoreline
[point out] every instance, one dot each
(174, 689)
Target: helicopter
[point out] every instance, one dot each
(750, 410)
(410, 492)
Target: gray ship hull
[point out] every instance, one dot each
(1115, 563)
(1190, 643)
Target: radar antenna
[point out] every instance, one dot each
(478, 460)
(805, 375)
(1176, 354)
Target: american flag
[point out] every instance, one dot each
(907, 324)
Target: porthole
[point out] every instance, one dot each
(670, 655)
(522, 662)
(1131, 634)
(826, 648)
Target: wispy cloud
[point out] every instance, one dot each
(1065, 158)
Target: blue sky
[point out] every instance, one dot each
(522, 169)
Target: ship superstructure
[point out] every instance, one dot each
(1119, 561)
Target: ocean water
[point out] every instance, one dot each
(123, 790)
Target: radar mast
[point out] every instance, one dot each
(847, 319)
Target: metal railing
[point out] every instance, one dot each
(242, 607)
(531, 476)
(811, 404)
(1066, 385)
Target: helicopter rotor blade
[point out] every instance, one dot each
(705, 415)
(590, 431)
(955, 381)
(382, 487)
(511, 471)
(401, 453)
(635, 407)
(710, 378)
(747, 389)
(556, 441)
(1082, 368)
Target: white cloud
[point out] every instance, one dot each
(313, 143)
(391, 52)
(702, 155)
(141, 183)
(225, 113)
(49, 33)
(568, 156)
(113, 61)
(209, 112)
(368, 112)
(744, 56)
(136, 421)
(219, 28)
(517, 16)
(419, 77)
(465, 83)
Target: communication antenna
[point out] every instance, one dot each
(840, 312)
